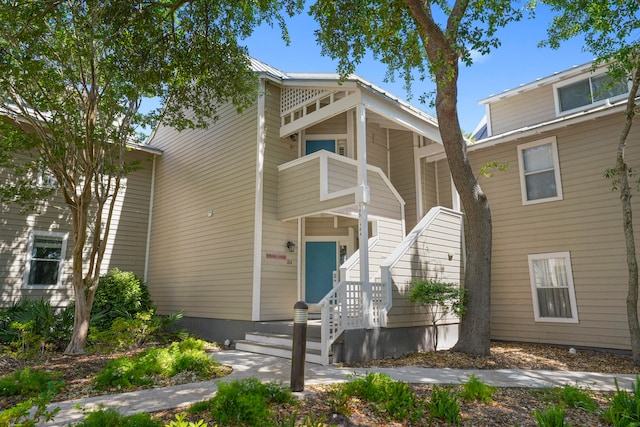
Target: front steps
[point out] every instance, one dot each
(276, 339)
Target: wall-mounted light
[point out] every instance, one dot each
(293, 137)
(291, 247)
(450, 255)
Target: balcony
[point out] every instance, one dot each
(325, 182)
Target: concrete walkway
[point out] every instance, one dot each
(278, 369)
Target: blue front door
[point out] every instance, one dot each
(320, 265)
(316, 145)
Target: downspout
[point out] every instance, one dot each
(362, 200)
(151, 197)
(257, 227)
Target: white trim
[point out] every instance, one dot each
(149, 221)
(257, 232)
(556, 168)
(417, 173)
(64, 236)
(455, 196)
(566, 256)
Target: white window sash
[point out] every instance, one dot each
(524, 174)
(558, 293)
(29, 258)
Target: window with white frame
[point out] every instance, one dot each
(539, 171)
(580, 92)
(552, 288)
(46, 179)
(45, 259)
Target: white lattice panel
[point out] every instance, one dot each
(293, 98)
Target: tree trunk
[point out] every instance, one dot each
(622, 174)
(82, 313)
(443, 55)
(475, 326)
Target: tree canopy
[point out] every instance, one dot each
(428, 39)
(74, 74)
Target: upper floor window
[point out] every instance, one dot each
(539, 171)
(45, 259)
(575, 94)
(552, 288)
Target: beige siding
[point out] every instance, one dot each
(444, 184)
(403, 172)
(330, 226)
(199, 263)
(334, 125)
(525, 109)
(428, 258)
(278, 282)
(389, 236)
(587, 223)
(377, 146)
(299, 189)
(429, 185)
(125, 247)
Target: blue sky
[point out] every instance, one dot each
(517, 61)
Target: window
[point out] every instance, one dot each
(45, 258)
(590, 91)
(539, 171)
(554, 297)
(46, 179)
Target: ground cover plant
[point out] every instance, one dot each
(128, 372)
(508, 406)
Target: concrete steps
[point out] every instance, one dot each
(276, 339)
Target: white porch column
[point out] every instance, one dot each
(362, 200)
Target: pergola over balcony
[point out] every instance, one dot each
(311, 99)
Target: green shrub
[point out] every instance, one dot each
(31, 412)
(570, 396)
(444, 405)
(474, 389)
(180, 422)
(119, 294)
(35, 325)
(624, 407)
(552, 416)
(126, 372)
(27, 383)
(112, 418)
(246, 402)
(395, 398)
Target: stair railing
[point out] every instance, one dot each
(342, 309)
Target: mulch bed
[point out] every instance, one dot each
(510, 406)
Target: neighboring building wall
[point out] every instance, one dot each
(125, 248)
(587, 223)
(403, 175)
(278, 283)
(202, 234)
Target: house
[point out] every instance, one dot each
(559, 272)
(339, 194)
(312, 194)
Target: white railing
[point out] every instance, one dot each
(343, 309)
